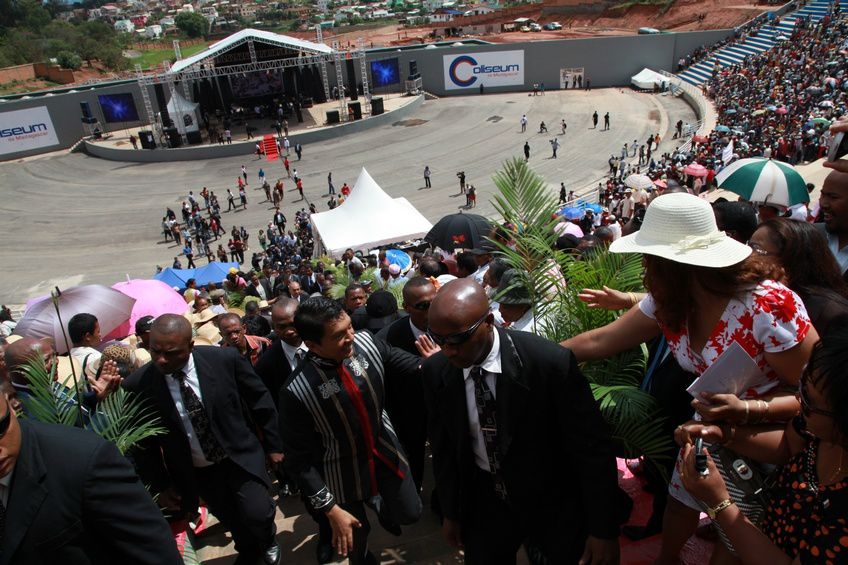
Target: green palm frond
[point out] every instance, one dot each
(124, 419)
(43, 403)
(554, 279)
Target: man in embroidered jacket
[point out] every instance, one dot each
(339, 441)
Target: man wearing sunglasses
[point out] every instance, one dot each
(405, 397)
(521, 452)
(73, 506)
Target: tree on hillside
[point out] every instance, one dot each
(192, 24)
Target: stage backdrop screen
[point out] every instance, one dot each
(118, 107)
(385, 72)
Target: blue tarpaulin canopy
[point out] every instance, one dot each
(213, 272)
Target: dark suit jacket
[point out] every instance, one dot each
(226, 381)
(404, 396)
(557, 452)
(75, 499)
(266, 285)
(274, 369)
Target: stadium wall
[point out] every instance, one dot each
(607, 61)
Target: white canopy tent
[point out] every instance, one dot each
(184, 113)
(647, 79)
(368, 218)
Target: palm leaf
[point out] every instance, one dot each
(524, 200)
(43, 403)
(124, 419)
(121, 417)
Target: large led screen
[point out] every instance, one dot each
(118, 107)
(385, 72)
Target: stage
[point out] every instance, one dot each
(313, 129)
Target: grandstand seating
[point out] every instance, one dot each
(765, 39)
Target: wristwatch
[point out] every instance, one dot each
(715, 510)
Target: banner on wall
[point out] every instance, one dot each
(494, 68)
(571, 78)
(22, 130)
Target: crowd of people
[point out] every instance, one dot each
(337, 400)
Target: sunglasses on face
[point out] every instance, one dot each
(422, 306)
(6, 420)
(808, 408)
(457, 338)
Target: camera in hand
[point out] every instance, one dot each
(700, 458)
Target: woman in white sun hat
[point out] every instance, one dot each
(706, 291)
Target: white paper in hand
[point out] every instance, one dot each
(733, 372)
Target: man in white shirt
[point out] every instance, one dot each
(515, 305)
(84, 333)
(482, 256)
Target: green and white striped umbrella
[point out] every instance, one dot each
(764, 180)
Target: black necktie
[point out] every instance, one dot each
(212, 450)
(487, 411)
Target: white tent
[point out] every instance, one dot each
(184, 113)
(368, 218)
(647, 79)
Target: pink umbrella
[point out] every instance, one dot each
(152, 298)
(700, 138)
(782, 110)
(695, 170)
(660, 183)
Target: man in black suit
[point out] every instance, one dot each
(405, 397)
(76, 506)
(260, 287)
(308, 280)
(521, 453)
(287, 350)
(210, 449)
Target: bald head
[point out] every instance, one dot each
(283, 306)
(461, 323)
(282, 320)
(172, 325)
(17, 355)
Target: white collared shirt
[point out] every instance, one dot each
(841, 255)
(197, 457)
(290, 352)
(491, 366)
(416, 333)
(6, 485)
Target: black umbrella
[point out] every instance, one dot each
(465, 231)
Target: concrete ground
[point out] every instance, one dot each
(70, 219)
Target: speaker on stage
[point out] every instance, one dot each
(194, 137)
(332, 116)
(377, 105)
(163, 105)
(147, 140)
(173, 137)
(87, 118)
(413, 68)
(351, 78)
(357, 110)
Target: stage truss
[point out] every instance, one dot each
(206, 70)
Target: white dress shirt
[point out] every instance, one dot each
(197, 457)
(290, 352)
(5, 485)
(416, 333)
(491, 367)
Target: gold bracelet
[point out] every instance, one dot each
(765, 413)
(747, 413)
(633, 301)
(716, 510)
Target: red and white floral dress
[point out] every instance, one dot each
(770, 318)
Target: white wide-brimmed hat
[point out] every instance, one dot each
(682, 228)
